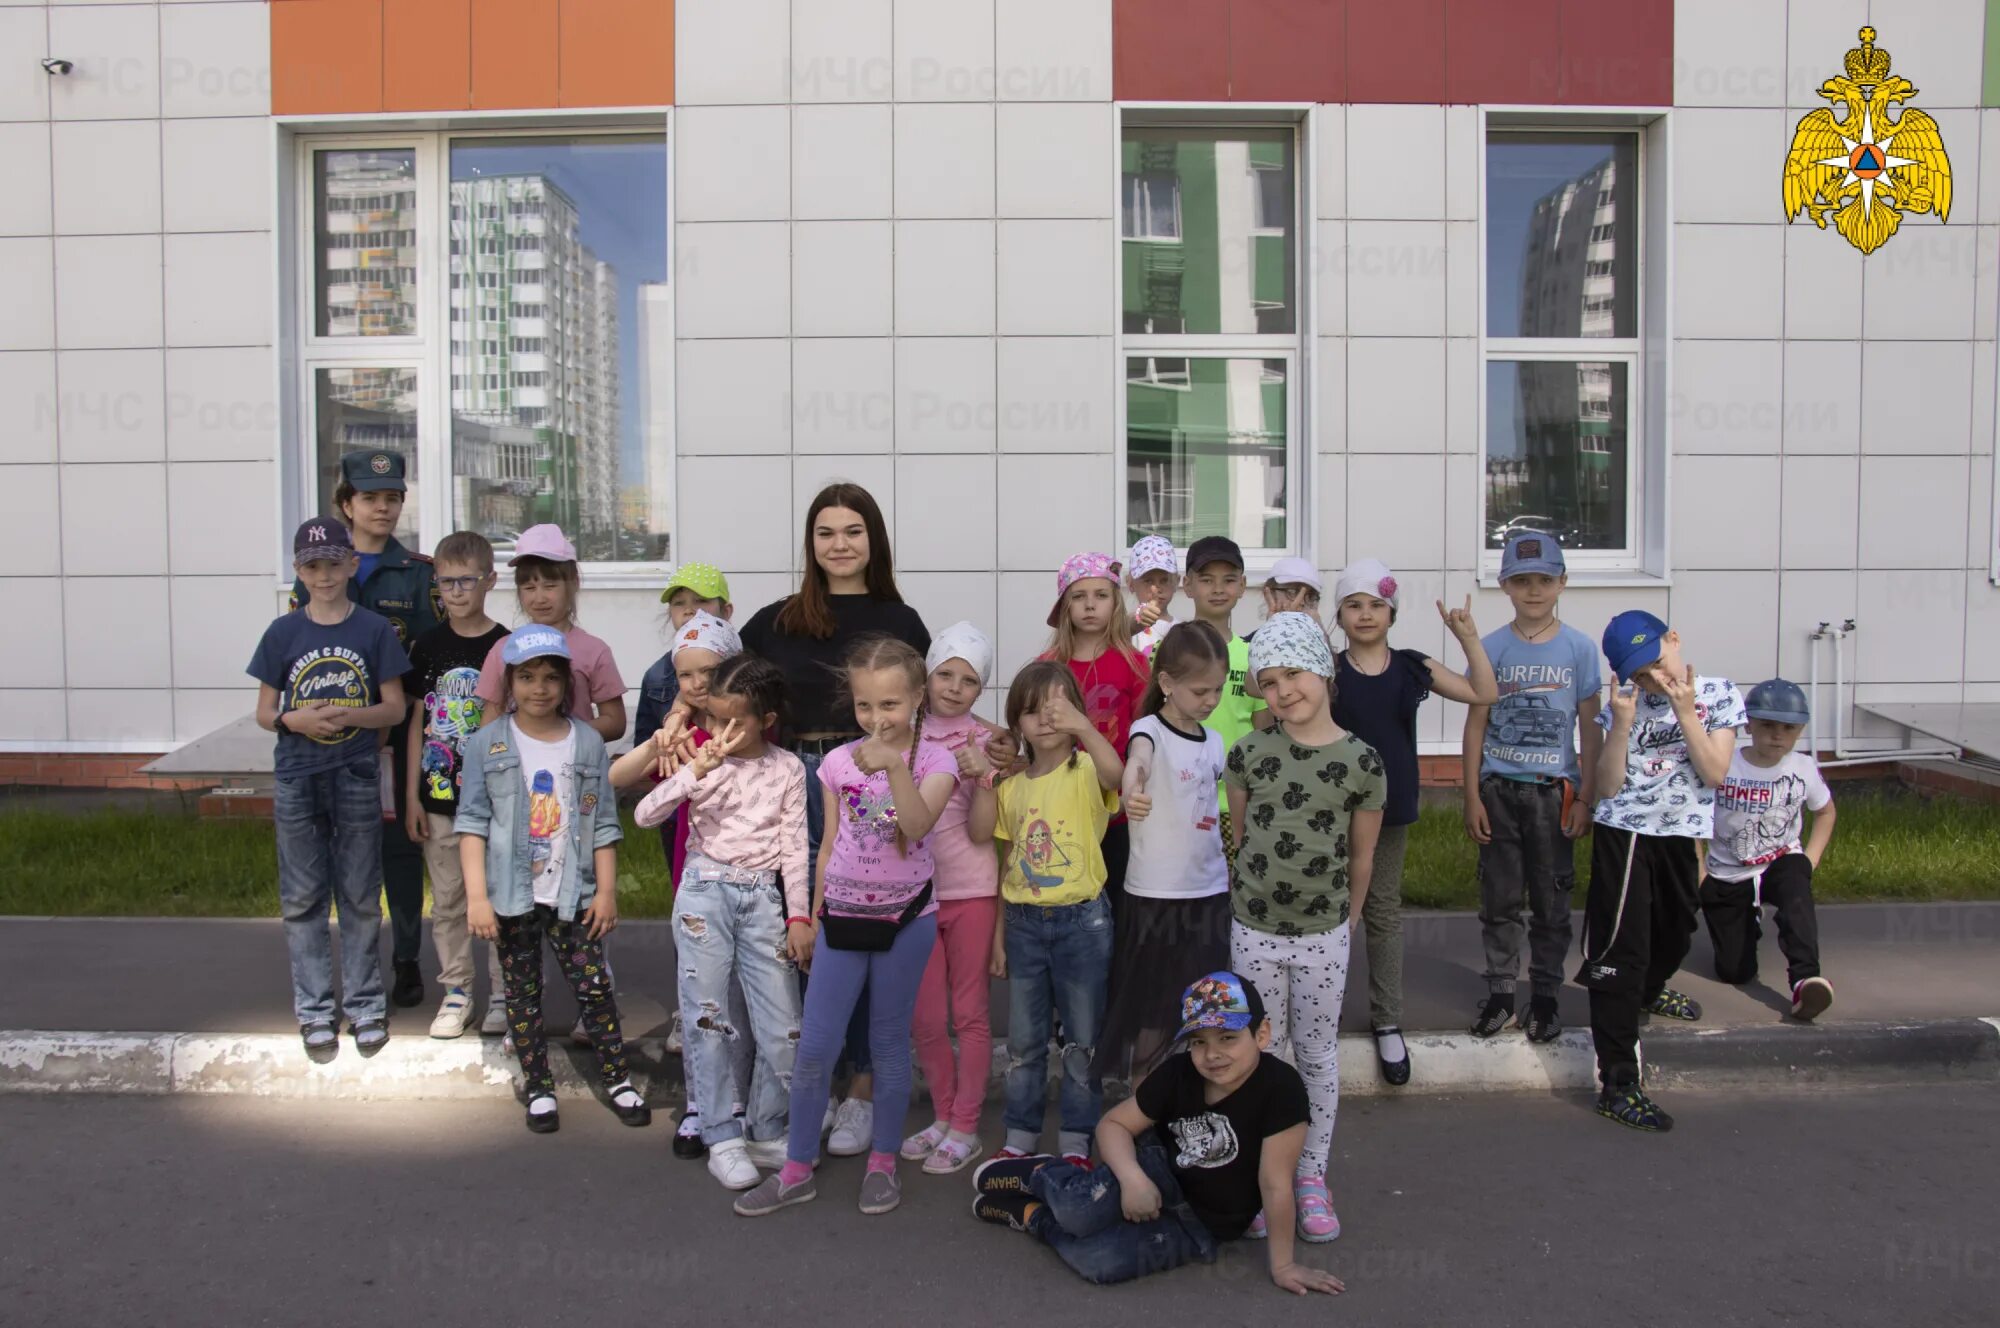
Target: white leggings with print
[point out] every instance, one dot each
(1302, 980)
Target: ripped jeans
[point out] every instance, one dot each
(1058, 963)
(729, 922)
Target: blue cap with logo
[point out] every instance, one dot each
(1529, 551)
(533, 642)
(369, 471)
(321, 539)
(1220, 1000)
(1778, 700)
(1632, 641)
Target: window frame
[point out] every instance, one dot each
(1298, 348)
(303, 351)
(1643, 558)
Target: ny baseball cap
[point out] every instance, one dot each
(1214, 549)
(322, 539)
(369, 471)
(704, 579)
(1530, 551)
(1220, 1000)
(533, 642)
(543, 541)
(1632, 641)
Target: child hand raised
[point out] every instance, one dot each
(875, 753)
(1138, 803)
(1459, 621)
(1062, 717)
(725, 744)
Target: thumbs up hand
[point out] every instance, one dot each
(1138, 803)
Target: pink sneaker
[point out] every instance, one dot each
(1317, 1224)
(1259, 1229)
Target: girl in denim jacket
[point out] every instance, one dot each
(538, 834)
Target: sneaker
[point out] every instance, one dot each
(1811, 997)
(951, 1156)
(774, 1194)
(729, 1162)
(832, 1110)
(1631, 1106)
(1493, 1015)
(674, 1044)
(1007, 1210)
(1675, 1005)
(454, 1013)
(1317, 1224)
(1542, 1022)
(853, 1129)
(770, 1154)
(1077, 1160)
(580, 1036)
(881, 1192)
(409, 987)
(1008, 1175)
(1258, 1229)
(923, 1143)
(1010, 1153)
(495, 1022)
(687, 1137)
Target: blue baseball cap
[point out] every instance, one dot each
(321, 539)
(1632, 641)
(1779, 701)
(1220, 1000)
(533, 642)
(1529, 551)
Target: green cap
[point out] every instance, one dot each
(704, 579)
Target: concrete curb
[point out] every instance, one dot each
(272, 1065)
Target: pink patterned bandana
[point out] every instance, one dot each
(1081, 567)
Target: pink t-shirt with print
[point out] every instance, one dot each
(590, 663)
(965, 870)
(865, 876)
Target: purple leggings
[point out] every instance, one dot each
(891, 977)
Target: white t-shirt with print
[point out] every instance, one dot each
(1759, 812)
(1662, 795)
(1177, 849)
(548, 769)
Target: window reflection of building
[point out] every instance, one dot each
(368, 244)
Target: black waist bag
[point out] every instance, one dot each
(843, 933)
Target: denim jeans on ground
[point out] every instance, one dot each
(854, 1053)
(329, 829)
(730, 924)
(1058, 961)
(1084, 1221)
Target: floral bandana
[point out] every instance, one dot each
(1081, 567)
(963, 641)
(1369, 576)
(1291, 641)
(705, 631)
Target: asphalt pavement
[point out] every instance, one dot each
(1860, 1206)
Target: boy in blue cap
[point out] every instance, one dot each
(1757, 857)
(1670, 738)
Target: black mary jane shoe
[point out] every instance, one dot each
(544, 1122)
(688, 1146)
(1394, 1073)
(635, 1114)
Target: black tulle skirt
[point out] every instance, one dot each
(1159, 947)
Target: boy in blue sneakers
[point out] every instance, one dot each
(1670, 737)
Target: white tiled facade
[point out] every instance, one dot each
(895, 261)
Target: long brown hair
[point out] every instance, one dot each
(1186, 647)
(808, 613)
(1035, 681)
(877, 652)
(1117, 633)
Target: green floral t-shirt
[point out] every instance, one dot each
(1290, 876)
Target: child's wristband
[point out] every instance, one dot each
(806, 921)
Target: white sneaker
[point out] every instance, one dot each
(769, 1154)
(495, 1022)
(674, 1036)
(454, 1013)
(853, 1129)
(832, 1108)
(729, 1162)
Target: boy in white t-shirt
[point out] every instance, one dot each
(1757, 858)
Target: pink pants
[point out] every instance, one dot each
(957, 970)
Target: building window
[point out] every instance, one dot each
(561, 426)
(1563, 342)
(1210, 333)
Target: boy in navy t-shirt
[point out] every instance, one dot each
(1527, 797)
(330, 678)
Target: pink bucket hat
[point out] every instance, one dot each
(1081, 567)
(543, 542)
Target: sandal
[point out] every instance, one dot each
(1317, 1224)
(371, 1035)
(951, 1156)
(923, 1143)
(322, 1040)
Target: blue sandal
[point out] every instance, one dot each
(322, 1040)
(371, 1035)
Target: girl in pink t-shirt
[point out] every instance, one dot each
(953, 998)
(875, 912)
(546, 583)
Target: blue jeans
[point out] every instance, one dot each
(1083, 1221)
(329, 826)
(839, 977)
(1058, 961)
(729, 927)
(854, 1050)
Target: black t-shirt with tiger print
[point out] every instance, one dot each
(1290, 876)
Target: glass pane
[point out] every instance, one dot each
(560, 333)
(1210, 231)
(1562, 235)
(367, 410)
(1557, 451)
(365, 242)
(1206, 449)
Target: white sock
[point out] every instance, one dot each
(542, 1106)
(1391, 1046)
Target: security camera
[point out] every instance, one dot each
(55, 66)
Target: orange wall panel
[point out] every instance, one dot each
(326, 56)
(617, 52)
(426, 55)
(514, 54)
